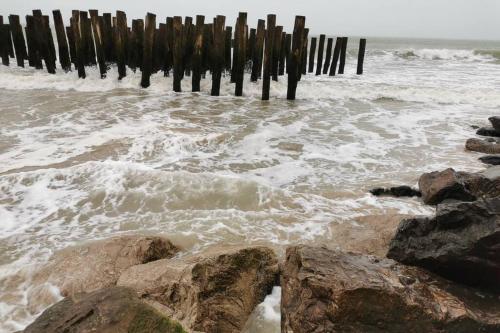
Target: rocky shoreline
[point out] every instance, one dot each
(439, 274)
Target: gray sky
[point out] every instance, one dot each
(458, 19)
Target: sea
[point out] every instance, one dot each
(87, 159)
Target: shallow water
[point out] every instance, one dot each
(87, 159)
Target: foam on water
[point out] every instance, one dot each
(88, 159)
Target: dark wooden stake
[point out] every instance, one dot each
(343, 51)
(268, 56)
(18, 38)
(147, 61)
(178, 53)
(283, 54)
(79, 51)
(197, 52)
(62, 43)
(303, 61)
(228, 36)
(336, 54)
(321, 50)
(217, 55)
(328, 58)
(296, 56)
(276, 52)
(30, 41)
(120, 43)
(108, 37)
(312, 54)
(361, 55)
(98, 30)
(4, 39)
(288, 50)
(259, 49)
(241, 41)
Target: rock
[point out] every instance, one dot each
(110, 310)
(215, 291)
(495, 122)
(398, 191)
(483, 146)
(490, 159)
(369, 234)
(98, 264)
(331, 291)
(461, 243)
(488, 131)
(438, 186)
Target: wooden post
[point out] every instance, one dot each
(312, 54)
(283, 54)
(361, 55)
(133, 47)
(197, 53)
(170, 46)
(98, 30)
(303, 61)
(18, 38)
(328, 55)
(228, 35)
(296, 56)
(62, 43)
(207, 46)
(336, 54)
(71, 44)
(343, 55)
(34, 56)
(41, 35)
(278, 31)
(259, 49)
(187, 41)
(178, 53)
(241, 53)
(147, 60)
(88, 40)
(217, 55)
(162, 52)
(251, 45)
(79, 52)
(120, 40)
(108, 37)
(4, 48)
(321, 50)
(268, 56)
(50, 39)
(288, 50)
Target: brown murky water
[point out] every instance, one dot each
(87, 159)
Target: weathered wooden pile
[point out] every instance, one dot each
(184, 48)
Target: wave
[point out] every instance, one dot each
(448, 54)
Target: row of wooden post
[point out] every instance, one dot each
(186, 49)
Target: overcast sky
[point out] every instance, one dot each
(458, 19)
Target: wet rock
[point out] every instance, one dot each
(495, 122)
(438, 186)
(488, 131)
(490, 159)
(332, 291)
(398, 191)
(488, 146)
(98, 264)
(110, 310)
(215, 291)
(461, 243)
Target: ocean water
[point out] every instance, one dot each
(89, 159)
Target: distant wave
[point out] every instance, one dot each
(449, 54)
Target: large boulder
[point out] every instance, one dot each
(461, 243)
(495, 122)
(490, 159)
(110, 310)
(331, 291)
(215, 291)
(488, 131)
(487, 146)
(94, 265)
(438, 186)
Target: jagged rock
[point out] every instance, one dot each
(495, 122)
(398, 191)
(110, 310)
(332, 291)
(488, 131)
(98, 264)
(488, 146)
(211, 292)
(438, 186)
(490, 159)
(461, 243)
